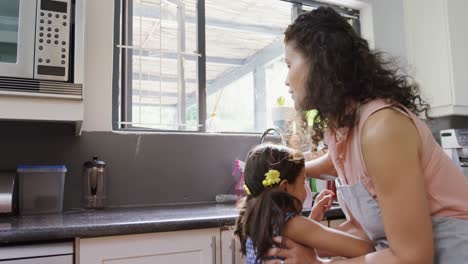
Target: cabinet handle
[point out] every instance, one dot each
(233, 251)
(213, 246)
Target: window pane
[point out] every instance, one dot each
(232, 116)
(163, 86)
(9, 13)
(243, 65)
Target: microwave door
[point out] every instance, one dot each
(17, 32)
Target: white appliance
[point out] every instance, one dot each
(36, 44)
(8, 193)
(50, 253)
(455, 144)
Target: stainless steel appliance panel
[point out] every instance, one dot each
(52, 50)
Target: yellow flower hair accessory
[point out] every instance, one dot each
(271, 177)
(247, 190)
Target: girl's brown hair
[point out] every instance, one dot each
(262, 213)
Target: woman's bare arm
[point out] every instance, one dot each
(320, 167)
(391, 151)
(314, 235)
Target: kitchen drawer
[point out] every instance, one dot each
(67, 259)
(43, 253)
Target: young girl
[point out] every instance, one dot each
(274, 182)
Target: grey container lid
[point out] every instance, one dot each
(27, 168)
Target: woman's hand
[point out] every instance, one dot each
(322, 204)
(292, 252)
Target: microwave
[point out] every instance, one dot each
(37, 46)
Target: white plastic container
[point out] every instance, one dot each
(40, 189)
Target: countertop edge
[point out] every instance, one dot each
(70, 233)
(46, 230)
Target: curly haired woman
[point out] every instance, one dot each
(400, 189)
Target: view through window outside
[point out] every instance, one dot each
(245, 69)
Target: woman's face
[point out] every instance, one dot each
(297, 74)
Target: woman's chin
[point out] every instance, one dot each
(298, 107)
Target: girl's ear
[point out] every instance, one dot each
(283, 186)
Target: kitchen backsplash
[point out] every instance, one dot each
(143, 169)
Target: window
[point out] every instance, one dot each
(202, 65)
(158, 65)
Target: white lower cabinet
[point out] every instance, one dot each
(179, 247)
(203, 246)
(230, 248)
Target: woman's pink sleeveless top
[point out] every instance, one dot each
(447, 187)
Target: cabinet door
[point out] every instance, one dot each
(193, 246)
(230, 248)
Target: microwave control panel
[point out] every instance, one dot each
(454, 138)
(52, 49)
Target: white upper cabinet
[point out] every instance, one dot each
(40, 108)
(437, 41)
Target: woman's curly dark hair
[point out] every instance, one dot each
(344, 73)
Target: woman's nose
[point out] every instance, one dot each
(286, 81)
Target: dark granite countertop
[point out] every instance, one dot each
(120, 221)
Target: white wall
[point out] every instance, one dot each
(381, 23)
(99, 33)
(458, 32)
(437, 41)
(389, 34)
(427, 57)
